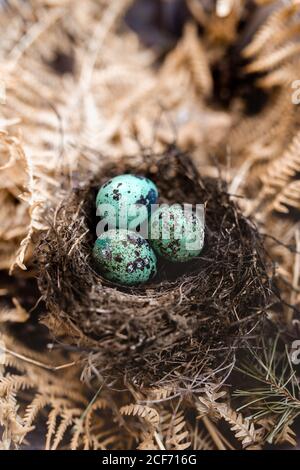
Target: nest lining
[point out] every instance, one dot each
(190, 317)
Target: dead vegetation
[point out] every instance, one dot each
(81, 93)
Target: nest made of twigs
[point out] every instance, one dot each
(189, 320)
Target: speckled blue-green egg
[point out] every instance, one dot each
(125, 200)
(124, 257)
(177, 234)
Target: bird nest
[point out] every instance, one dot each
(184, 325)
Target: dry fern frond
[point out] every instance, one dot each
(208, 403)
(58, 402)
(274, 59)
(280, 189)
(80, 90)
(272, 27)
(149, 438)
(41, 111)
(196, 59)
(287, 435)
(174, 430)
(12, 424)
(13, 384)
(282, 170)
(148, 442)
(254, 137)
(38, 403)
(15, 212)
(200, 439)
(43, 389)
(243, 428)
(51, 425)
(150, 415)
(275, 47)
(67, 420)
(289, 197)
(280, 77)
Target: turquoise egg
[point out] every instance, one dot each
(125, 201)
(176, 234)
(123, 256)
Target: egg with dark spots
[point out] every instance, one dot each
(125, 201)
(124, 257)
(177, 234)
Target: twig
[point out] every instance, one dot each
(37, 363)
(212, 431)
(159, 441)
